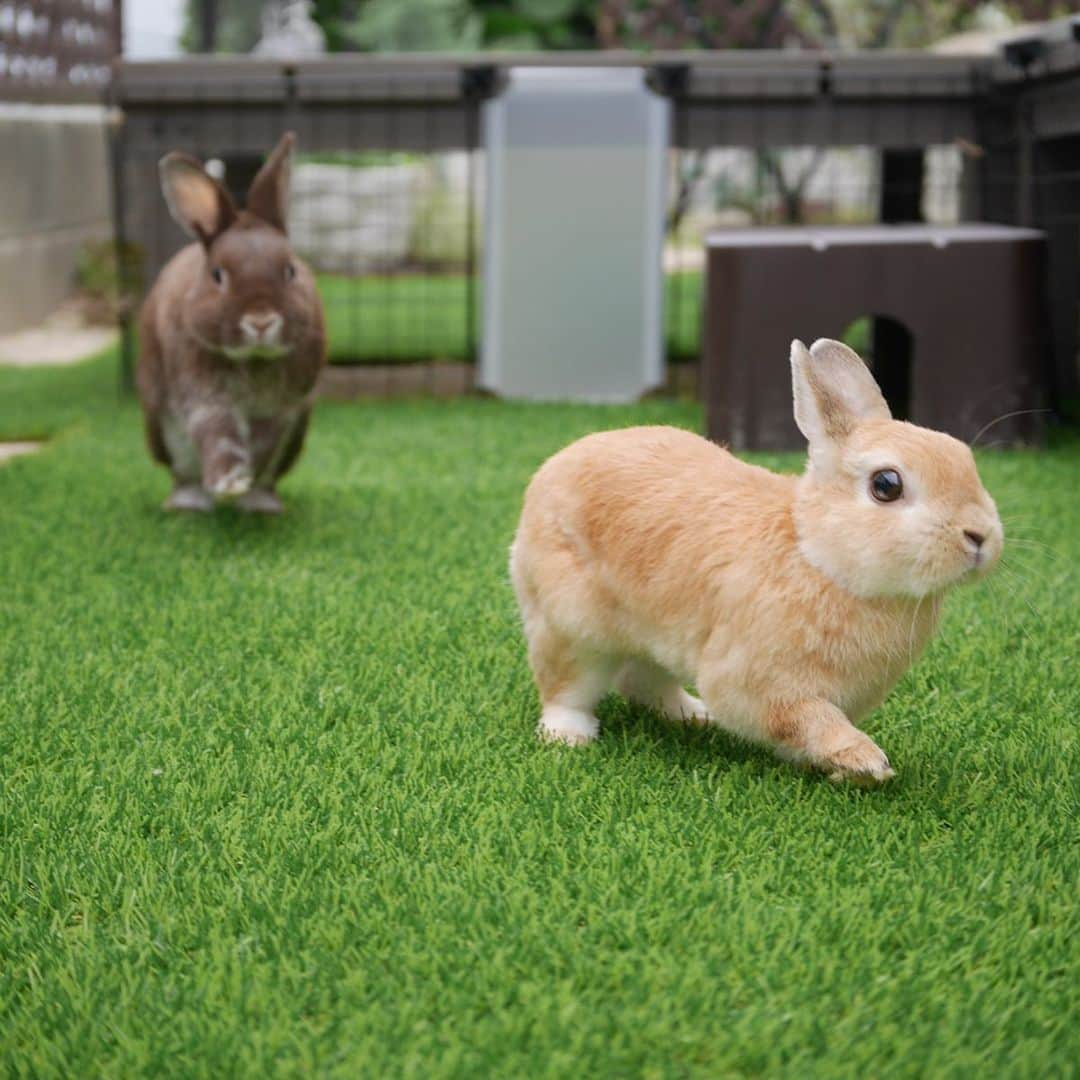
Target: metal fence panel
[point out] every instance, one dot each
(757, 138)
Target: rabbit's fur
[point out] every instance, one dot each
(232, 340)
(649, 557)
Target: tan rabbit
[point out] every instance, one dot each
(232, 340)
(649, 557)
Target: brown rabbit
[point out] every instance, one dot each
(232, 340)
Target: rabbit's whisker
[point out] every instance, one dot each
(1004, 416)
(1037, 546)
(1013, 568)
(1000, 607)
(1017, 576)
(1018, 623)
(1026, 522)
(911, 631)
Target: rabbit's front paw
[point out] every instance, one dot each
(234, 482)
(189, 498)
(860, 761)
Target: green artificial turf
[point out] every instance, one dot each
(271, 801)
(401, 318)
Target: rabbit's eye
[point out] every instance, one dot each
(886, 485)
(218, 275)
(290, 271)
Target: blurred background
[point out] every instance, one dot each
(808, 114)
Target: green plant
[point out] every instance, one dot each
(108, 276)
(416, 26)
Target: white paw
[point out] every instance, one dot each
(861, 761)
(237, 481)
(189, 498)
(569, 726)
(259, 501)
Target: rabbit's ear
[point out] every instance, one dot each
(268, 196)
(833, 391)
(197, 202)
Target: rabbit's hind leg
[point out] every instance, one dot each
(189, 498)
(276, 444)
(291, 445)
(649, 684)
(571, 679)
(260, 501)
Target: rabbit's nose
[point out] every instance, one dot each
(975, 539)
(263, 327)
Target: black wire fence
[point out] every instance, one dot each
(388, 185)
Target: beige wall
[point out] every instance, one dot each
(54, 196)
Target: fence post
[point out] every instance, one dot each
(477, 85)
(125, 289)
(208, 18)
(671, 81)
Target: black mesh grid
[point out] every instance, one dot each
(388, 193)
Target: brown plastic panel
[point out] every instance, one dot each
(974, 306)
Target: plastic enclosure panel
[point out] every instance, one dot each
(573, 275)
